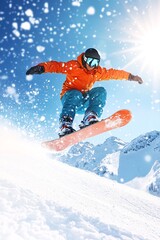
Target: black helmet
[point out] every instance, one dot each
(91, 57)
(92, 53)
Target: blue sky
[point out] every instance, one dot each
(127, 35)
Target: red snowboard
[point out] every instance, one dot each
(118, 119)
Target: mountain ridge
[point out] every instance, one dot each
(119, 160)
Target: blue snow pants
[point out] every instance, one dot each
(74, 102)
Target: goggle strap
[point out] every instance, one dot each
(85, 58)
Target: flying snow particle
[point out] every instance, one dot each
(121, 180)
(91, 11)
(103, 9)
(147, 158)
(157, 101)
(33, 20)
(135, 8)
(22, 52)
(29, 13)
(46, 7)
(2, 18)
(15, 25)
(29, 77)
(76, 3)
(26, 25)
(73, 25)
(16, 33)
(11, 92)
(42, 118)
(40, 48)
(30, 40)
(3, 77)
(108, 13)
(127, 101)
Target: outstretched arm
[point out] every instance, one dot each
(111, 73)
(135, 78)
(53, 66)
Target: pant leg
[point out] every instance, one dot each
(97, 100)
(71, 101)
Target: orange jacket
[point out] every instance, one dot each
(78, 77)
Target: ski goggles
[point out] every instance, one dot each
(92, 62)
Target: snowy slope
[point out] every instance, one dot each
(42, 198)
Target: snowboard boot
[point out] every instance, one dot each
(66, 126)
(89, 118)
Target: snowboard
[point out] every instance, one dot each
(116, 120)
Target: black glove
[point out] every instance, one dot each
(135, 78)
(35, 70)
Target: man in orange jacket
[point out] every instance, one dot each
(77, 94)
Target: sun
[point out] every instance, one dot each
(148, 47)
(143, 42)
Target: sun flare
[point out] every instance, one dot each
(149, 48)
(143, 43)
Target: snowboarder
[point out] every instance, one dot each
(77, 94)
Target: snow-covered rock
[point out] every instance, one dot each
(150, 183)
(142, 142)
(138, 157)
(100, 159)
(154, 185)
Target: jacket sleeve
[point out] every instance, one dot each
(111, 73)
(58, 67)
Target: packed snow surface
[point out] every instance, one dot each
(42, 198)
